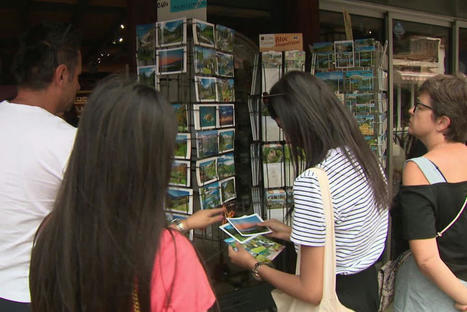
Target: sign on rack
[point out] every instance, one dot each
(280, 42)
(171, 9)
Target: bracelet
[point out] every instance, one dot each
(179, 225)
(255, 272)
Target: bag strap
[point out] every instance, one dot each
(439, 234)
(329, 274)
(429, 170)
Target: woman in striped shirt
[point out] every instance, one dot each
(321, 132)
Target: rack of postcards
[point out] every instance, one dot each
(191, 63)
(272, 169)
(356, 72)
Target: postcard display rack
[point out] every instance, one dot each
(272, 170)
(356, 72)
(191, 63)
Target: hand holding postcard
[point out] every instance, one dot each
(248, 225)
(260, 247)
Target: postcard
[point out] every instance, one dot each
(206, 171)
(145, 44)
(344, 53)
(226, 115)
(275, 199)
(234, 234)
(294, 60)
(271, 59)
(226, 90)
(227, 189)
(324, 61)
(273, 165)
(205, 116)
(207, 143)
(260, 247)
(359, 80)
(225, 165)
(226, 140)
(323, 47)
(203, 33)
(171, 217)
(366, 124)
(171, 32)
(205, 60)
(270, 130)
(180, 174)
(225, 64)
(183, 146)
(147, 75)
(224, 38)
(247, 225)
(181, 113)
(271, 69)
(209, 196)
(334, 80)
(180, 200)
(206, 89)
(171, 61)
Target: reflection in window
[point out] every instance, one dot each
(463, 50)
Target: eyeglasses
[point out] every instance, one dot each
(267, 102)
(418, 103)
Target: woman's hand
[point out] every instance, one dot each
(279, 229)
(203, 218)
(461, 307)
(241, 257)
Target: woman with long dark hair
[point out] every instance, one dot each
(105, 246)
(321, 132)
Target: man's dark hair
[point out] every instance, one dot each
(41, 50)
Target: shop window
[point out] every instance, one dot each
(363, 27)
(463, 50)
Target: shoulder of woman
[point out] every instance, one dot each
(412, 175)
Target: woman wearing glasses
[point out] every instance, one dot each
(322, 132)
(433, 193)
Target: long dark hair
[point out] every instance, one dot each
(315, 121)
(103, 233)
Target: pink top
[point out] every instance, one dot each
(178, 276)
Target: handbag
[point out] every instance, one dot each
(329, 301)
(388, 272)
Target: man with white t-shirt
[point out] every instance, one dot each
(35, 146)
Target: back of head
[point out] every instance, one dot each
(41, 50)
(448, 95)
(110, 205)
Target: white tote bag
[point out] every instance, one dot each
(329, 301)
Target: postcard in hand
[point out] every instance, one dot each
(247, 225)
(226, 140)
(234, 234)
(172, 32)
(207, 143)
(205, 60)
(209, 196)
(228, 189)
(203, 33)
(180, 174)
(224, 38)
(171, 61)
(205, 116)
(147, 75)
(206, 170)
(206, 89)
(145, 44)
(183, 146)
(225, 165)
(226, 116)
(225, 64)
(180, 200)
(260, 247)
(181, 114)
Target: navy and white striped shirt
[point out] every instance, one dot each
(360, 227)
